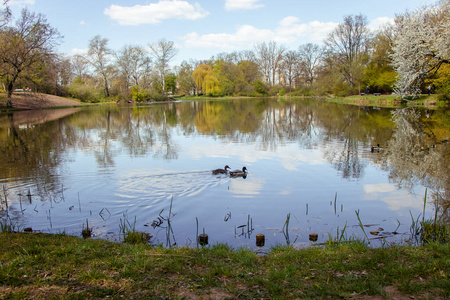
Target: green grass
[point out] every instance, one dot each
(389, 101)
(59, 266)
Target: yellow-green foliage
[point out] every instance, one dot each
(206, 79)
(138, 94)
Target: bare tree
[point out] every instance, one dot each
(163, 51)
(269, 57)
(310, 56)
(291, 66)
(30, 42)
(132, 62)
(80, 66)
(100, 57)
(349, 42)
(262, 57)
(5, 14)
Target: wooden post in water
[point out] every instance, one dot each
(203, 239)
(313, 237)
(260, 240)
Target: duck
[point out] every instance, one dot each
(239, 173)
(221, 171)
(375, 148)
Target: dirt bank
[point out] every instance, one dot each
(38, 101)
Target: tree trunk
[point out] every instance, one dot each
(10, 88)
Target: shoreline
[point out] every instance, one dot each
(60, 266)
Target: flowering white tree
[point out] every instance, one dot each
(421, 46)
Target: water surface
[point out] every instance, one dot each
(307, 159)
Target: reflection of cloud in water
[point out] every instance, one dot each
(159, 185)
(395, 199)
(379, 188)
(244, 188)
(286, 191)
(289, 155)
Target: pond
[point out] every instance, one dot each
(311, 169)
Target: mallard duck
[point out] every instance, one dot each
(221, 171)
(239, 173)
(375, 148)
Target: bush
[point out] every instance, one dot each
(84, 93)
(138, 94)
(260, 87)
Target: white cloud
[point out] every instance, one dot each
(155, 12)
(290, 30)
(244, 37)
(82, 23)
(242, 4)
(379, 23)
(76, 51)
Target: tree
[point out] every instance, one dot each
(379, 74)
(262, 58)
(100, 57)
(205, 79)
(79, 66)
(421, 47)
(163, 51)
(22, 47)
(132, 62)
(171, 82)
(269, 57)
(5, 14)
(185, 79)
(291, 66)
(349, 42)
(310, 56)
(250, 71)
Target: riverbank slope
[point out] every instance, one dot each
(27, 100)
(42, 266)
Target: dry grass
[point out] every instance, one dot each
(24, 100)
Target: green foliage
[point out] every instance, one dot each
(342, 89)
(85, 93)
(171, 83)
(434, 231)
(260, 87)
(138, 94)
(379, 80)
(441, 82)
(129, 233)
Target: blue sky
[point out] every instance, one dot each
(203, 28)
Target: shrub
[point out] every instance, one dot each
(138, 94)
(260, 87)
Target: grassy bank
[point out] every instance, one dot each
(59, 266)
(389, 101)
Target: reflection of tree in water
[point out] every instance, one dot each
(167, 149)
(345, 155)
(34, 152)
(419, 154)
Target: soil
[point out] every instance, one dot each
(39, 101)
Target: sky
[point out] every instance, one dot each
(203, 28)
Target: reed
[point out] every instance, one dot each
(169, 229)
(7, 225)
(286, 229)
(362, 226)
(86, 232)
(5, 197)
